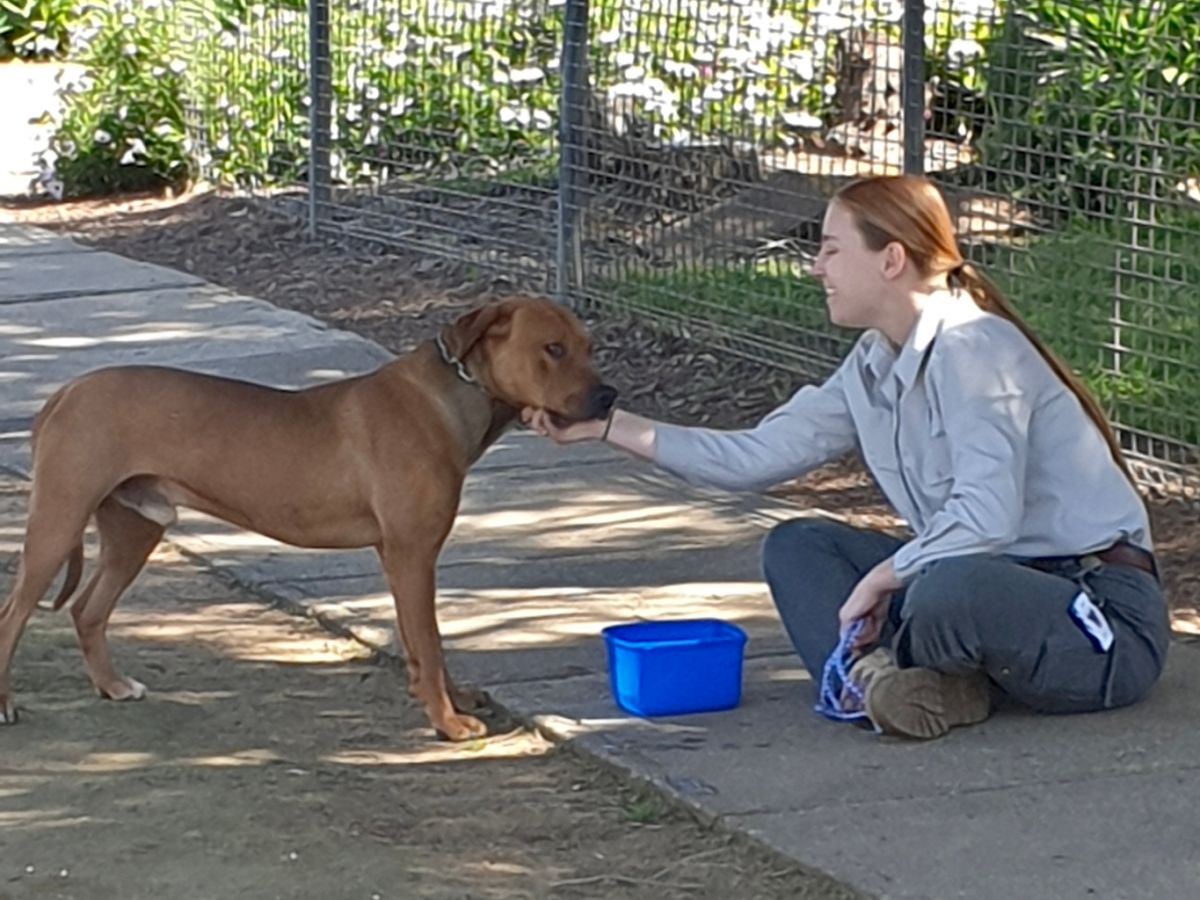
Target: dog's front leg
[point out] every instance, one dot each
(411, 575)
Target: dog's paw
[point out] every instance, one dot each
(122, 689)
(461, 728)
(8, 710)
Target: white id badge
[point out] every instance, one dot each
(1091, 620)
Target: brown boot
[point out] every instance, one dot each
(919, 703)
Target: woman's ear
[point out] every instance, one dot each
(895, 260)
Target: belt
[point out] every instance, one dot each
(1121, 554)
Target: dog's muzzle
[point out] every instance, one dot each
(600, 401)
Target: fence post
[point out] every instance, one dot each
(319, 111)
(913, 87)
(573, 70)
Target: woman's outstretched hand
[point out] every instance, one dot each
(547, 425)
(621, 429)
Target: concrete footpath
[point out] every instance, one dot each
(552, 544)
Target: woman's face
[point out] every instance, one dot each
(853, 274)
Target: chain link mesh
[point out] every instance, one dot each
(674, 157)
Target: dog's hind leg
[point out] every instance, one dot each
(126, 541)
(50, 539)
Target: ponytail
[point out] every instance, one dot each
(990, 299)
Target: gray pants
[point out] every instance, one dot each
(973, 613)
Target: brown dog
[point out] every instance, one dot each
(374, 461)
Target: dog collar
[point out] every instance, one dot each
(454, 361)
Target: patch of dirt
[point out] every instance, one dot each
(399, 298)
(271, 759)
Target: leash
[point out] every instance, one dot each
(453, 361)
(835, 682)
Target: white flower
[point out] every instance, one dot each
(129, 50)
(963, 49)
(801, 65)
(394, 59)
(136, 149)
(803, 120)
(527, 75)
(680, 69)
(401, 106)
(372, 92)
(55, 188)
(102, 137)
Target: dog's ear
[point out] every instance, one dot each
(467, 330)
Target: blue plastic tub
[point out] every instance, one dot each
(672, 668)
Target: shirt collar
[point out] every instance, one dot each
(906, 365)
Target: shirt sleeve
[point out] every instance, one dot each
(810, 429)
(986, 412)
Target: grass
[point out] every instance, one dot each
(770, 301)
(1123, 308)
(646, 809)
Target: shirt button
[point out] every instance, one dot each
(1006, 671)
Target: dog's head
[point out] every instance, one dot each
(532, 352)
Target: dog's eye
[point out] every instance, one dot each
(555, 351)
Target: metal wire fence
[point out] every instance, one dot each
(674, 156)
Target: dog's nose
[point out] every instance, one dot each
(601, 400)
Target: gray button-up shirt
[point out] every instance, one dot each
(970, 434)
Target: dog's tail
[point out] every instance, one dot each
(74, 571)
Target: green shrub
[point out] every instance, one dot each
(123, 126)
(1094, 102)
(33, 29)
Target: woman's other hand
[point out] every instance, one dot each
(869, 602)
